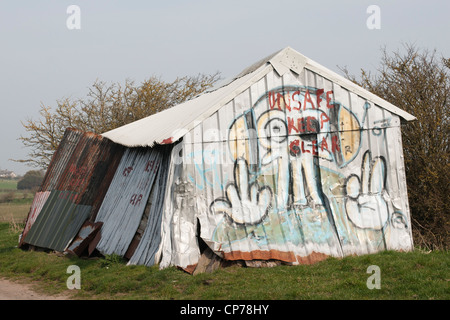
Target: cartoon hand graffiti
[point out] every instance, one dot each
(365, 204)
(245, 203)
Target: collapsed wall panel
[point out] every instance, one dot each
(73, 189)
(124, 204)
(150, 240)
(54, 171)
(58, 222)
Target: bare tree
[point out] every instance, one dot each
(417, 81)
(106, 107)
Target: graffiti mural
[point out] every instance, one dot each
(294, 168)
(290, 194)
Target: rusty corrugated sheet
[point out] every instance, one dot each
(61, 158)
(54, 172)
(77, 180)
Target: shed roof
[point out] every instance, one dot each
(171, 124)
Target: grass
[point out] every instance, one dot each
(417, 275)
(14, 212)
(14, 204)
(414, 275)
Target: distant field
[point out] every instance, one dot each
(12, 212)
(6, 185)
(14, 204)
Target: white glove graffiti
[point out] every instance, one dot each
(244, 203)
(365, 203)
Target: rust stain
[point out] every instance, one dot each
(290, 257)
(314, 257)
(260, 255)
(167, 141)
(190, 269)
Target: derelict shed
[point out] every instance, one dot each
(288, 161)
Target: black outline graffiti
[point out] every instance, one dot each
(238, 188)
(368, 175)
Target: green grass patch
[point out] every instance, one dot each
(404, 276)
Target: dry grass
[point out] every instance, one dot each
(14, 213)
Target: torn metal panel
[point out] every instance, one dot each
(86, 235)
(125, 201)
(91, 168)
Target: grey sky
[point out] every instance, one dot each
(41, 60)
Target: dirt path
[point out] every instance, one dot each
(10, 290)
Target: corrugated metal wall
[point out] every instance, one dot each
(73, 189)
(295, 168)
(126, 199)
(54, 171)
(150, 240)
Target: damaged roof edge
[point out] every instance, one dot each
(202, 107)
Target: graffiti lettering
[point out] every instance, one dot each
(335, 144)
(307, 124)
(136, 199)
(279, 100)
(298, 146)
(291, 101)
(126, 172)
(152, 166)
(329, 105)
(308, 99)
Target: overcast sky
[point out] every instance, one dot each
(42, 60)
